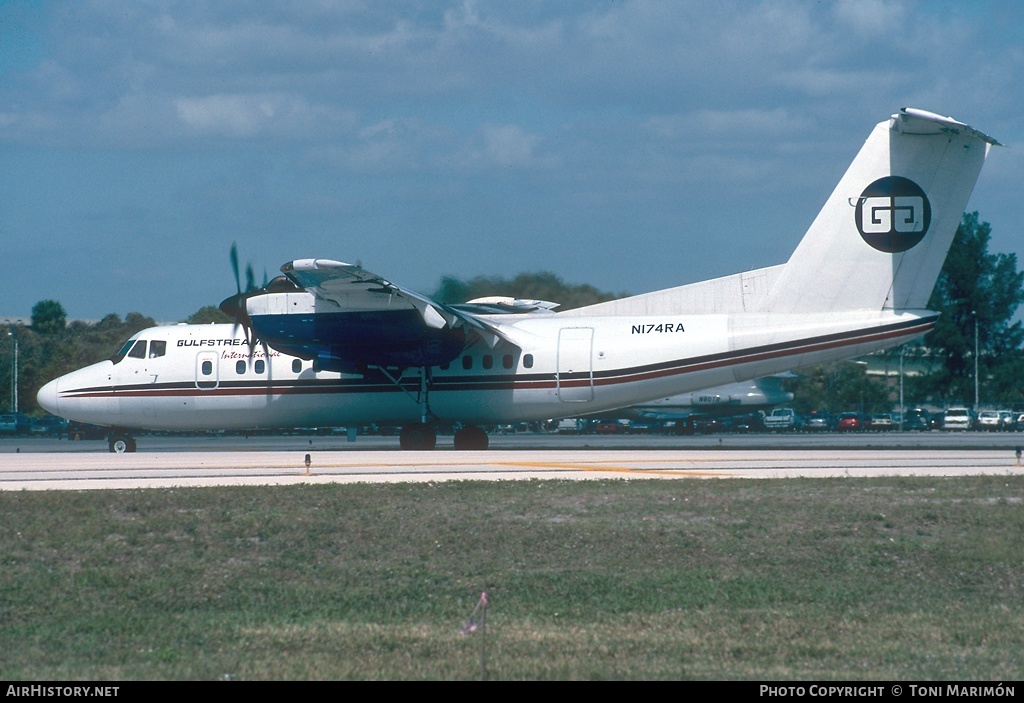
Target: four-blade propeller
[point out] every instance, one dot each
(235, 305)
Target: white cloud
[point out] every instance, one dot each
(230, 115)
(877, 18)
(507, 145)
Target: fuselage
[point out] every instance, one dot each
(195, 377)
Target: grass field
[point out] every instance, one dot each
(797, 579)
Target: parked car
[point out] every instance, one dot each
(49, 426)
(850, 422)
(880, 422)
(958, 418)
(918, 420)
(1009, 421)
(610, 427)
(689, 424)
(15, 423)
(783, 420)
(819, 422)
(568, 426)
(644, 426)
(754, 422)
(714, 425)
(990, 421)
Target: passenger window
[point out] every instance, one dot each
(506, 361)
(296, 365)
(207, 368)
(259, 366)
(240, 367)
(139, 350)
(157, 348)
(467, 362)
(488, 361)
(528, 361)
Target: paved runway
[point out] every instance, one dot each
(35, 464)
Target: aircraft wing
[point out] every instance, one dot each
(351, 287)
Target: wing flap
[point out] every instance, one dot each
(351, 287)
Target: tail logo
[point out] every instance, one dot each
(893, 214)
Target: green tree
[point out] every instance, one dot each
(48, 316)
(206, 315)
(977, 294)
(838, 387)
(94, 342)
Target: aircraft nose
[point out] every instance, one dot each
(47, 398)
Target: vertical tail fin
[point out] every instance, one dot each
(881, 238)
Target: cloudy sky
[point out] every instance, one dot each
(629, 144)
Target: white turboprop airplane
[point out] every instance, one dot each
(330, 344)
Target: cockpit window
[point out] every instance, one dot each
(116, 358)
(139, 350)
(136, 349)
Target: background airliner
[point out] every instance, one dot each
(331, 344)
(729, 400)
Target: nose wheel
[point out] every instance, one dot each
(120, 443)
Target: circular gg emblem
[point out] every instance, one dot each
(893, 214)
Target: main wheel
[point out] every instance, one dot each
(418, 437)
(471, 438)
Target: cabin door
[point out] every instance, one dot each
(206, 370)
(575, 373)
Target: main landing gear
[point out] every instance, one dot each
(422, 435)
(471, 438)
(418, 436)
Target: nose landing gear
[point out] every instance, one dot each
(121, 442)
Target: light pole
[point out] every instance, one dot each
(903, 409)
(13, 334)
(975, 313)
